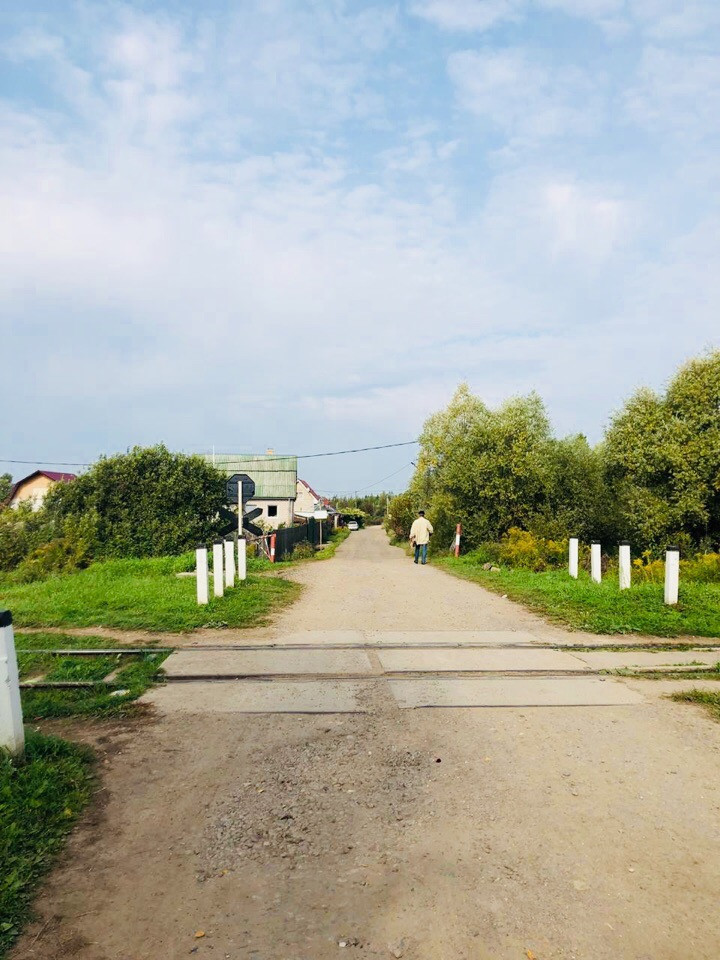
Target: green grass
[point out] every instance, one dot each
(142, 595)
(707, 699)
(133, 679)
(600, 608)
(135, 673)
(40, 799)
(336, 538)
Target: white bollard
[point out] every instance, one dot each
(12, 732)
(242, 559)
(573, 557)
(229, 563)
(201, 575)
(672, 574)
(218, 581)
(624, 566)
(595, 561)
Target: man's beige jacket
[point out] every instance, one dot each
(420, 531)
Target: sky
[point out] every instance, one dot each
(299, 225)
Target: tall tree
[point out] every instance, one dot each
(663, 459)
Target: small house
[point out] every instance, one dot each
(308, 501)
(275, 479)
(34, 488)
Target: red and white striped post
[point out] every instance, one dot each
(458, 531)
(273, 538)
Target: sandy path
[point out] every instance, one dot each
(586, 833)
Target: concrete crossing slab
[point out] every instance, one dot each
(492, 638)
(257, 696)
(439, 661)
(512, 692)
(239, 663)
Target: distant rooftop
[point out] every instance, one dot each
(275, 476)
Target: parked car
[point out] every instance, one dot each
(353, 525)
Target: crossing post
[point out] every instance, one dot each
(596, 561)
(672, 575)
(624, 565)
(573, 557)
(218, 582)
(201, 574)
(229, 563)
(12, 732)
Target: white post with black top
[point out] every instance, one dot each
(12, 732)
(672, 575)
(595, 561)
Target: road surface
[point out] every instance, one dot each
(496, 831)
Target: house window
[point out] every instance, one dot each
(272, 510)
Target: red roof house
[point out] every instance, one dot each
(35, 486)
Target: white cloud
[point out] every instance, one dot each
(477, 15)
(516, 93)
(676, 93)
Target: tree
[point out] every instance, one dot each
(662, 456)
(488, 470)
(148, 502)
(6, 483)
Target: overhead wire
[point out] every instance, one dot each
(357, 490)
(303, 456)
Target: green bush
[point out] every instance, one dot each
(303, 550)
(22, 530)
(146, 503)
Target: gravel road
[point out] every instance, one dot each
(445, 834)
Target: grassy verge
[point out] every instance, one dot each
(707, 699)
(142, 595)
(336, 538)
(40, 799)
(600, 608)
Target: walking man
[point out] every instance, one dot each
(420, 533)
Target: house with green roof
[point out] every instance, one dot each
(275, 480)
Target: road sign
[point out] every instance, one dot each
(233, 484)
(320, 514)
(251, 514)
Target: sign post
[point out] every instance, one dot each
(239, 489)
(320, 515)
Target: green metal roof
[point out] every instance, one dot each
(275, 477)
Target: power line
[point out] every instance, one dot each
(382, 480)
(240, 456)
(312, 456)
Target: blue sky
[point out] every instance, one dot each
(299, 225)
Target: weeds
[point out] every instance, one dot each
(708, 699)
(40, 799)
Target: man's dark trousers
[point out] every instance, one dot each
(421, 551)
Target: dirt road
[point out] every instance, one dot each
(439, 834)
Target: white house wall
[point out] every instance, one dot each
(285, 511)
